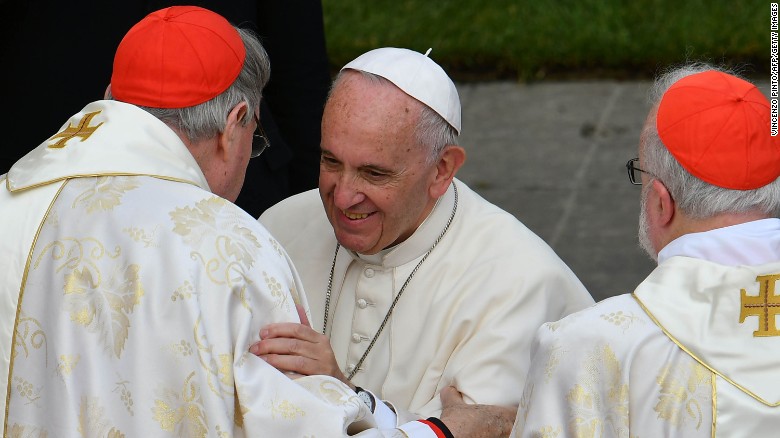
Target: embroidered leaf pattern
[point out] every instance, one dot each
(104, 192)
(92, 420)
(222, 243)
(181, 412)
(684, 389)
(597, 412)
(104, 308)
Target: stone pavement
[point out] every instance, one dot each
(554, 154)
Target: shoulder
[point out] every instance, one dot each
(617, 318)
(299, 223)
(496, 226)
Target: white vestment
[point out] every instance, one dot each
(132, 294)
(691, 353)
(466, 317)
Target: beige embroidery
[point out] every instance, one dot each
(281, 301)
(548, 432)
(148, 239)
(683, 391)
(286, 409)
(25, 431)
(66, 364)
(556, 355)
(183, 292)
(620, 319)
(218, 367)
(27, 390)
(593, 415)
(104, 308)
(125, 395)
(92, 421)
(276, 246)
(29, 334)
(181, 412)
(103, 193)
(232, 244)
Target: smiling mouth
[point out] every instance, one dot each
(354, 216)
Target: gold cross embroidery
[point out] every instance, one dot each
(83, 130)
(766, 306)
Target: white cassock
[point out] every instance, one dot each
(693, 352)
(131, 295)
(466, 317)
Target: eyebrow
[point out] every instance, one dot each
(366, 166)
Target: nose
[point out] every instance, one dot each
(346, 194)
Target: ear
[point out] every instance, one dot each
(450, 161)
(229, 140)
(661, 205)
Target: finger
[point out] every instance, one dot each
(302, 315)
(450, 397)
(288, 364)
(285, 346)
(289, 330)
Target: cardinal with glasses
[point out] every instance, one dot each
(694, 350)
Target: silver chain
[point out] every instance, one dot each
(397, 297)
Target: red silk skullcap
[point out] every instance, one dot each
(717, 127)
(177, 57)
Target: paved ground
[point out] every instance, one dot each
(554, 154)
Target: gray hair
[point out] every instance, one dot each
(206, 120)
(693, 196)
(432, 131)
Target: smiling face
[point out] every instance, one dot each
(375, 183)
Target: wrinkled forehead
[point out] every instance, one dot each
(371, 101)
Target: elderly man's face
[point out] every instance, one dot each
(374, 179)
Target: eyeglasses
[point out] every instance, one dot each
(260, 141)
(633, 176)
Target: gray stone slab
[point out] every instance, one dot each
(554, 154)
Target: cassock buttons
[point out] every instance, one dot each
(356, 338)
(369, 272)
(350, 368)
(362, 303)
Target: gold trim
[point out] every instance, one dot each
(697, 359)
(94, 175)
(714, 384)
(19, 304)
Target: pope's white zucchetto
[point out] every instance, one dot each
(416, 75)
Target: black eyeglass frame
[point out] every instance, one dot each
(632, 172)
(259, 140)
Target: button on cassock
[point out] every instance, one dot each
(369, 272)
(356, 338)
(362, 303)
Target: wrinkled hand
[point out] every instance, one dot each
(474, 421)
(297, 348)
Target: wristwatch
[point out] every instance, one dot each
(367, 398)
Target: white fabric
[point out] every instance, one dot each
(141, 295)
(417, 75)
(465, 319)
(671, 360)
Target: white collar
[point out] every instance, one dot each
(751, 243)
